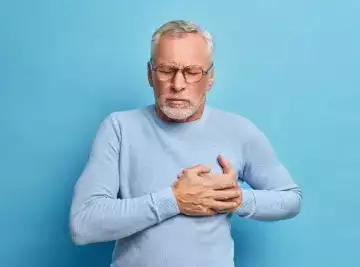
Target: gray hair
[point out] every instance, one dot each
(178, 27)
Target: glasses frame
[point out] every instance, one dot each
(204, 72)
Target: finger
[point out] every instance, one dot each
(200, 169)
(224, 184)
(228, 194)
(222, 205)
(203, 171)
(227, 211)
(237, 200)
(225, 164)
(211, 212)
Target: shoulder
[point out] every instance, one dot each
(124, 116)
(222, 113)
(118, 120)
(253, 141)
(231, 120)
(238, 128)
(131, 114)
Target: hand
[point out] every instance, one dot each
(228, 174)
(197, 194)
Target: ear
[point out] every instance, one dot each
(211, 80)
(150, 79)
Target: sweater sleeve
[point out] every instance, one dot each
(97, 214)
(273, 195)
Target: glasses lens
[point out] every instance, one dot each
(193, 74)
(165, 72)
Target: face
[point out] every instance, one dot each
(177, 99)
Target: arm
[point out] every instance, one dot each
(273, 195)
(97, 215)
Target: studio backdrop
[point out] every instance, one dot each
(292, 67)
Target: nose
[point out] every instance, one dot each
(179, 82)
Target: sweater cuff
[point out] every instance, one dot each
(248, 204)
(165, 204)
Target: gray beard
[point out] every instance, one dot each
(180, 113)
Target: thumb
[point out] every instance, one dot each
(225, 164)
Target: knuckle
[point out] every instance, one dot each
(199, 202)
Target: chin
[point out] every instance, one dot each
(177, 113)
(180, 112)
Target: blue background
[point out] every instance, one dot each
(292, 67)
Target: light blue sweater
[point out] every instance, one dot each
(124, 192)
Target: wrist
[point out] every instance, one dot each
(165, 204)
(175, 192)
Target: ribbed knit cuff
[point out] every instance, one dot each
(248, 204)
(165, 204)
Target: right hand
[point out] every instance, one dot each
(198, 196)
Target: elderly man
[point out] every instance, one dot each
(164, 180)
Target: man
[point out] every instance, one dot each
(164, 180)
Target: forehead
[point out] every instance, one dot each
(182, 48)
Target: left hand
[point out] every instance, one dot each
(228, 173)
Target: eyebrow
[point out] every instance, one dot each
(176, 64)
(172, 63)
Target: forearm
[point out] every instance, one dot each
(102, 219)
(270, 205)
(97, 213)
(274, 195)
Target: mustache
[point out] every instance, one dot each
(173, 97)
(176, 98)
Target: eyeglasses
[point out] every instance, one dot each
(192, 73)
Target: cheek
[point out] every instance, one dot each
(161, 88)
(198, 89)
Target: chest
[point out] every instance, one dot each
(150, 165)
